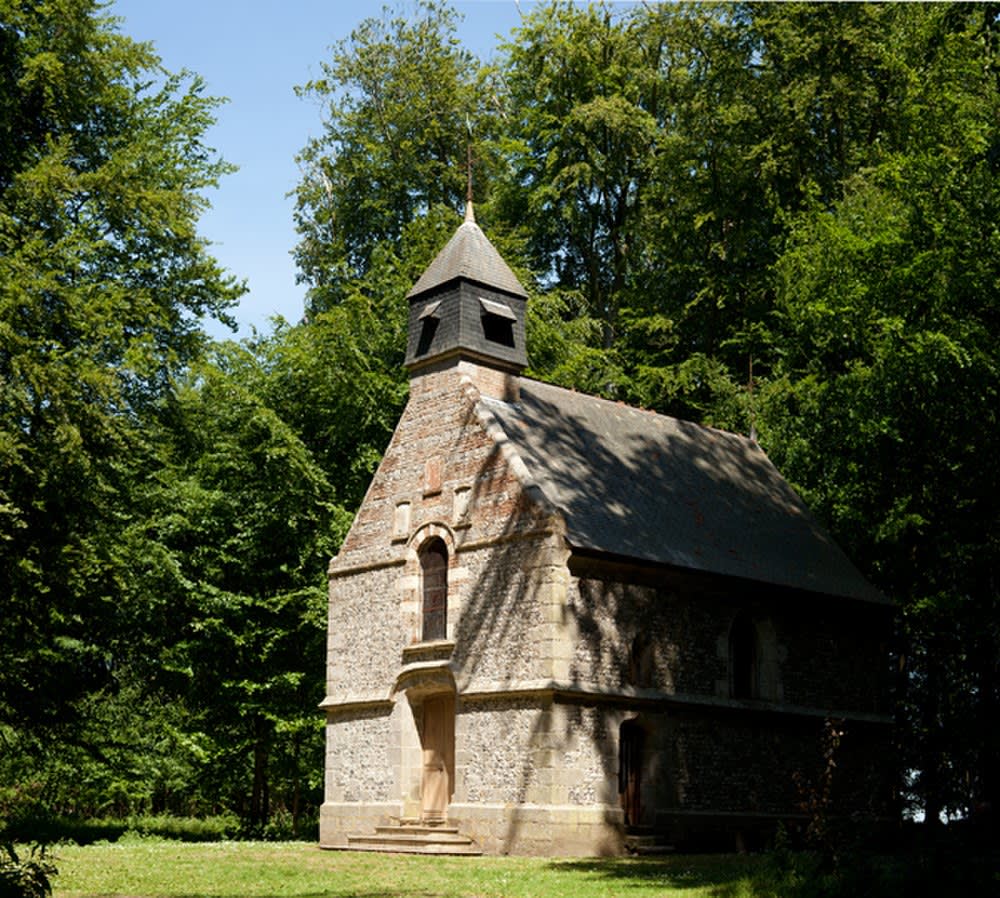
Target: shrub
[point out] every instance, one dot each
(37, 828)
(25, 877)
(186, 829)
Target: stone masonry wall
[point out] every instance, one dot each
(811, 654)
(440, 462)
(547, 666)
(442, 475)
(746, 765)
(446, 476)
(495, 744)
(530, 750)
(362, 660)
(359, 767)
(501, 637)
(836, 657)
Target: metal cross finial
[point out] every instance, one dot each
(470, 215)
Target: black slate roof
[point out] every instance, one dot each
(648, 487)
(470, 255)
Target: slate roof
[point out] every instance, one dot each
(644, 486)
(469, 255)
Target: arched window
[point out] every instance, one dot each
(434, 577)
(743, 658)
(640, 662)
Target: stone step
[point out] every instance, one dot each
(414, 839)
(388, 847)
(646, 844)
(652, 850)
(417, 828)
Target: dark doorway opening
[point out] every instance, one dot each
(631, 743)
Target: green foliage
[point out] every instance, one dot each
(339, 379)
(580, 137)
(775, 218)
(399, 100)
(566, 345)
(48, 828)
(947, 866)
(890, 380)
(155, 515)
(103, 280)
(241, 528)
(133, 752)
(25, 877)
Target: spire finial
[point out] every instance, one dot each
(470, 214)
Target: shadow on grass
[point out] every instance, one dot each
(677, 872)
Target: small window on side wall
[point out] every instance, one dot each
(434, 587)
(744, 680)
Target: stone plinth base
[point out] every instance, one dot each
(337, 819)
(540, 830)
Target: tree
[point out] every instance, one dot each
(776, 218)
(400, 102)
(103, 282)
(890, 380)
(581, 138)
(240, 527)
(703, 288)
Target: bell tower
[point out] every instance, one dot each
(468, 306)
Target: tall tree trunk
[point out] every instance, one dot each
(260, 795)
(931, 772)
(297, 789)
(986, 790)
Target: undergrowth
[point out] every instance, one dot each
(50, 830)
(25, 877)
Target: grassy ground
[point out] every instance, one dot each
(160, 869)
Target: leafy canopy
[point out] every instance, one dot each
(103, 281)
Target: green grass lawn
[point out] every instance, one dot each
(150, 868)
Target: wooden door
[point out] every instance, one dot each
(438, 743)
(630, 751)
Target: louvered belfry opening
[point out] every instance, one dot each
(468, 305)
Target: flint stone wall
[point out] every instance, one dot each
(811, 654)
(547, 665)
(359, 766)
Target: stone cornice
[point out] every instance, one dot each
(591, 692)
(355, 702)
(335, 573)
(548, 528)
(545, 529)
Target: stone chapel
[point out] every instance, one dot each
(560, 625)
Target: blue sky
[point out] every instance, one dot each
(254, 52)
